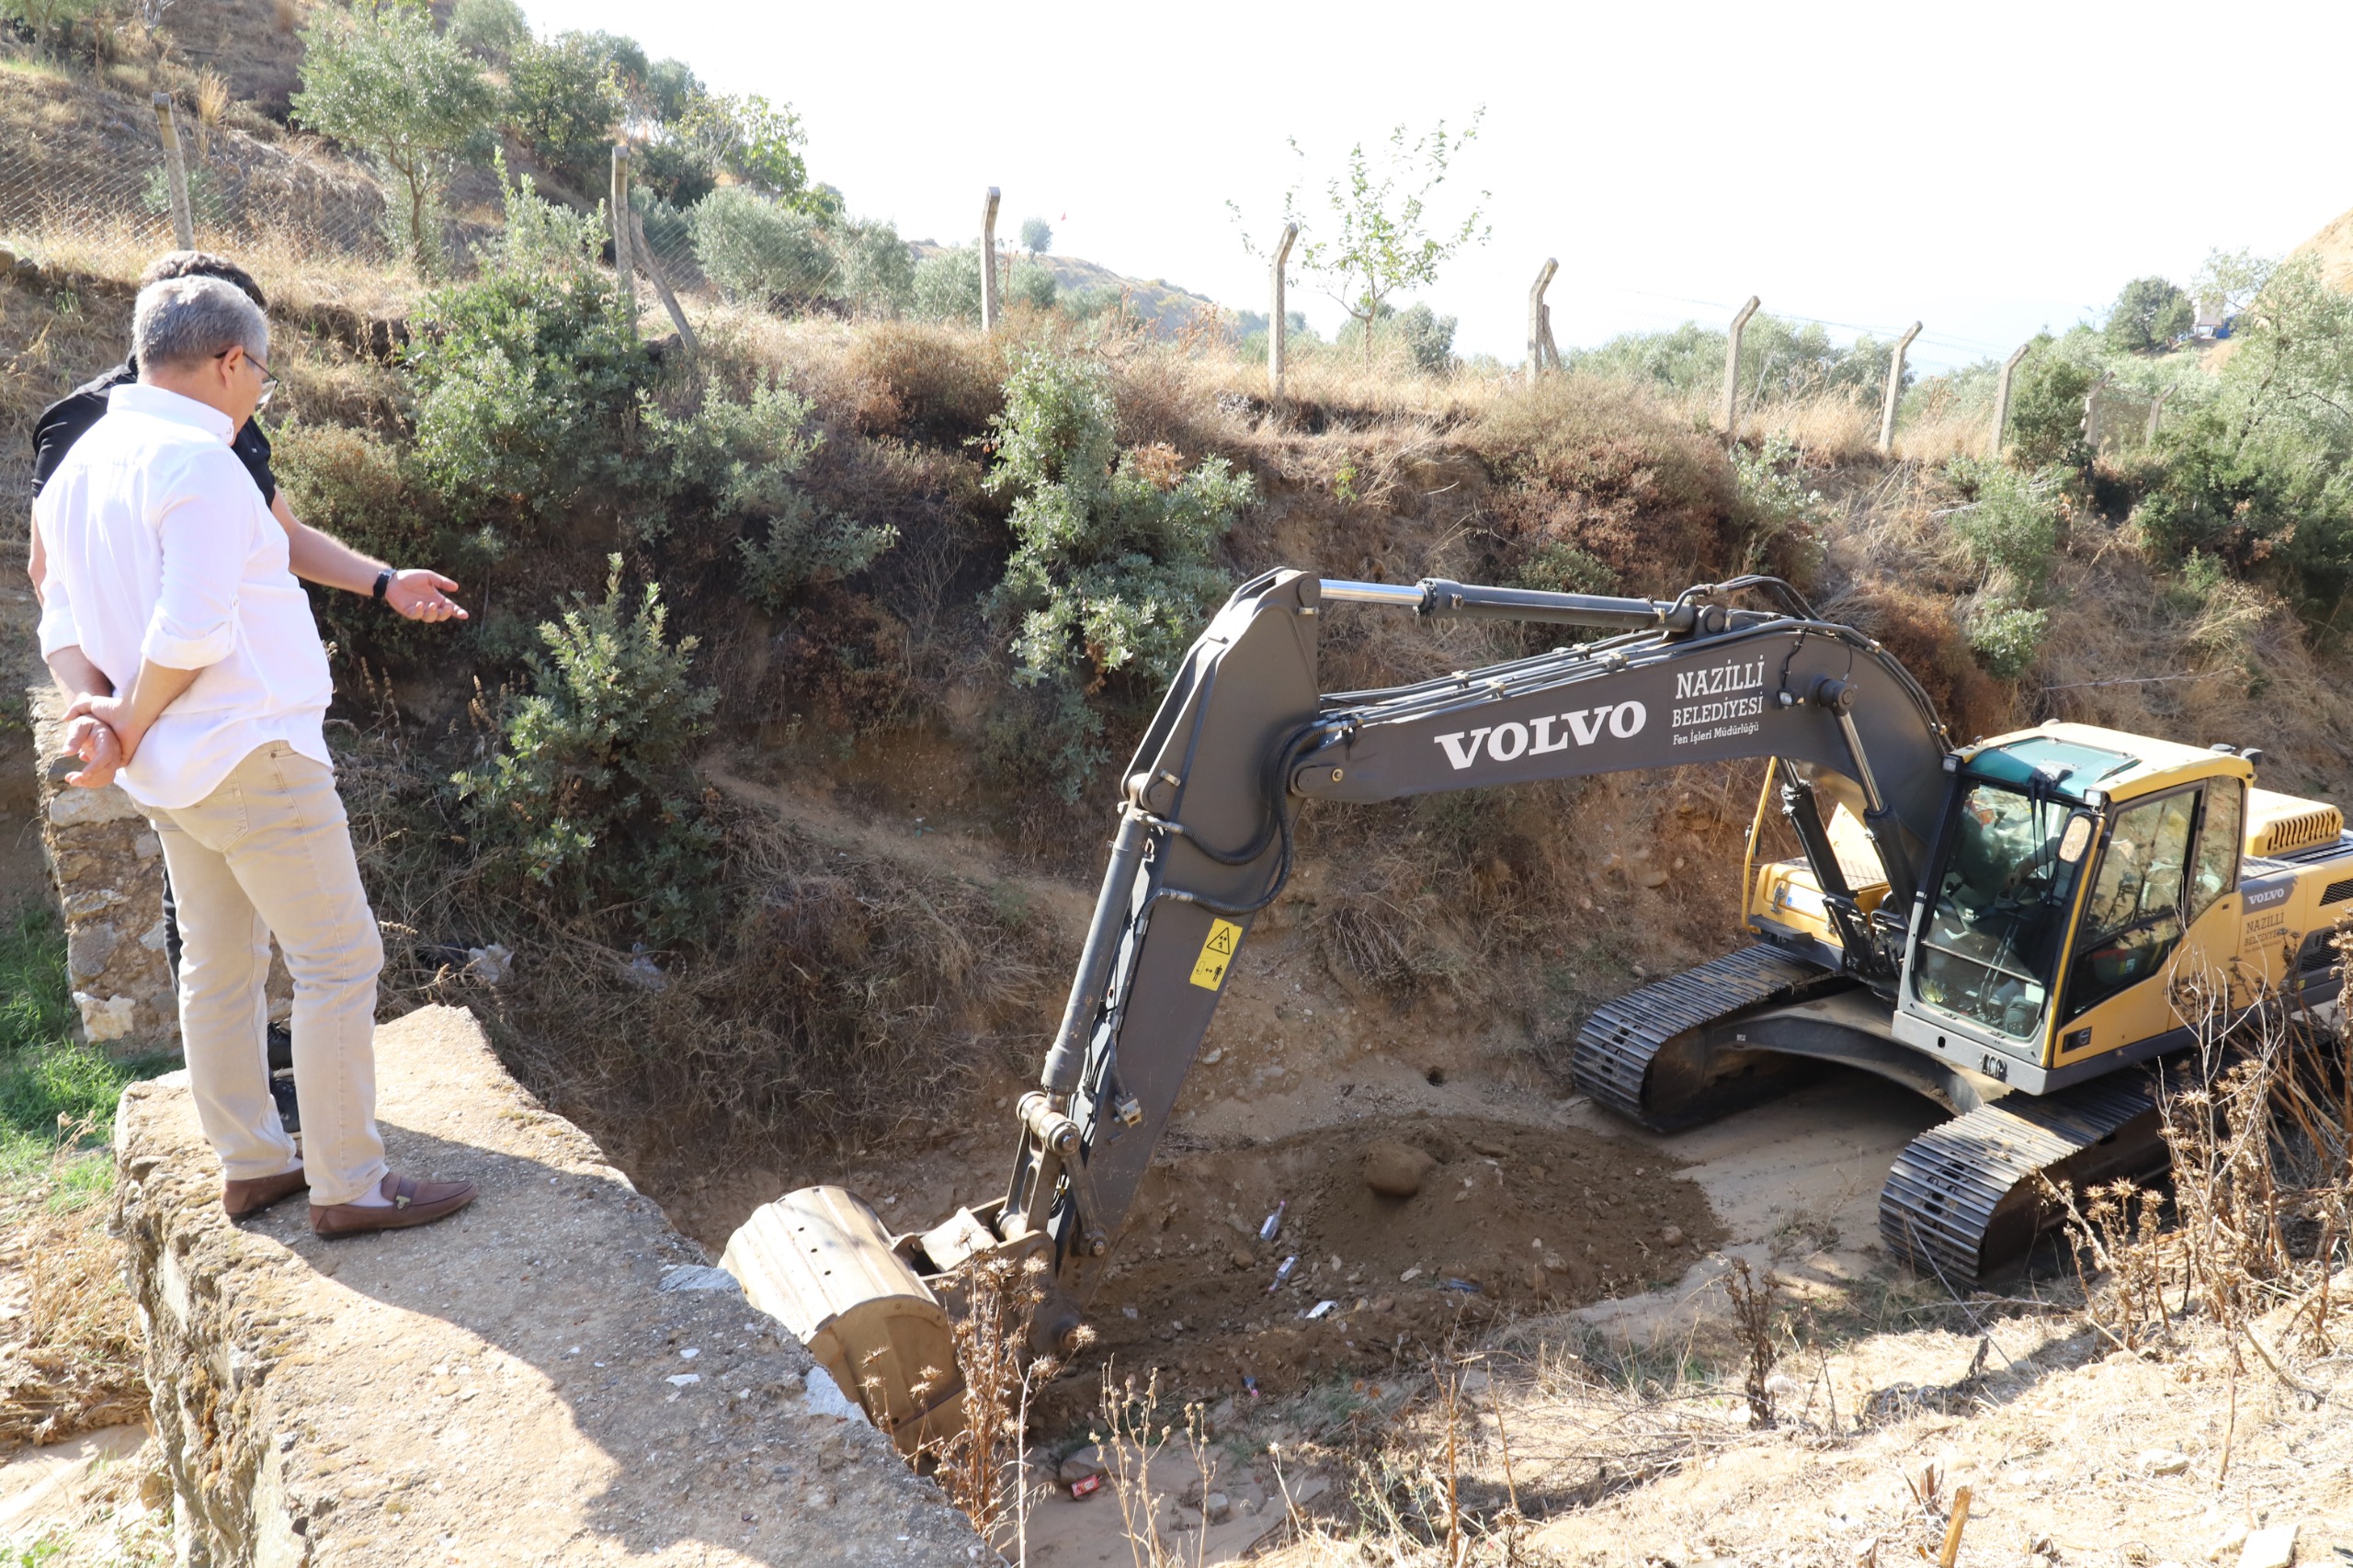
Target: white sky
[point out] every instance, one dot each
(1988, 167)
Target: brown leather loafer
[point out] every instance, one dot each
(239, 1198)
(414, 1203)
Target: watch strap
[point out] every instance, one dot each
(383, 581)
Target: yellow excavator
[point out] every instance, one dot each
(1997, 927)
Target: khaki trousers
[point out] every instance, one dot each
(270, 851)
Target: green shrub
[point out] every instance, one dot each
(674, 170)
(1780, 359)
(493, 29)
(2046, 427)
(2005, 638)
(743, 460)
(947, 287)
(1562, 568)
(563, 97)
(2015, 523)
(2261, 477)
(877, 272)
(1029, 284)
(759, 251)
(523, 381)
(588, 801)
(1776, 503)
(1111, 572)
(1430, 340)
(525, 377)
(2149, 314)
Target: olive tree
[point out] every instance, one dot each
(378, 78)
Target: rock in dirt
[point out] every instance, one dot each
(2272, 1548)
(1671, 1235)
(2162, 1461)
(1216, 1507)
(1395, 1170)
(1085, 1464)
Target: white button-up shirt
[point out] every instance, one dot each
(160, 548)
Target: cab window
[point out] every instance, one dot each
(2133, 915)
(2220, 837)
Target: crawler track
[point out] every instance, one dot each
(1618, 1052)
(1962, 1200)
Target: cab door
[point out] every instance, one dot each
(2163, 904)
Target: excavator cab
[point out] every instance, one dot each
(2077, 871)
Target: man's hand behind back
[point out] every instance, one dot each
(94, 742)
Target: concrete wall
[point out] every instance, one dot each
(553, 1376)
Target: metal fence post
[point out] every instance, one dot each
(1539, 324)
(175, 172)
(988, 262)
(1894, 390)
(1731, 370)
(1279, 324)
(624, 265)
(2002, 393)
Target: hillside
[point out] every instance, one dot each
(2333, 248)
(1168, 307)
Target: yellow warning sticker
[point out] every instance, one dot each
(1217, 954)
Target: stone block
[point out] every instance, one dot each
(513, 1385)
(109, 870)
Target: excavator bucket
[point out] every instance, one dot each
(819, 1261)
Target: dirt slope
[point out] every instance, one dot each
(2333, 247)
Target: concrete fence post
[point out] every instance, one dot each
(2156, 412)
(1539, 319)
(1731, 370)
(2002, 394)
(1278, 322)
(1894, 390)
(624, 265)
(176, 172)
(988, 262)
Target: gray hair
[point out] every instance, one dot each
(182, 322)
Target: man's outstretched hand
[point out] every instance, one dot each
(94, 742)
(423, 595)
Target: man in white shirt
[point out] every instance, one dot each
(172, 616)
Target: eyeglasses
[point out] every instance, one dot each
(268, 381)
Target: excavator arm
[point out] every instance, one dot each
(1243, 740)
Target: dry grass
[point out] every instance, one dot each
(69, 1346)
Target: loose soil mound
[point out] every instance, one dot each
(1508, 1217)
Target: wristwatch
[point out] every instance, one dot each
(383, 581)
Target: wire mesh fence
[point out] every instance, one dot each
(99, 196)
